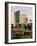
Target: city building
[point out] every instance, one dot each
(23, 19)
(18, 18)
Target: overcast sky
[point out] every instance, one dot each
(23, 10)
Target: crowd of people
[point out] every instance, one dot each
(25, 26)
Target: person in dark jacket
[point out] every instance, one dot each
(29, 26)
(25, 27)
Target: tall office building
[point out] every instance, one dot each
(17, 15)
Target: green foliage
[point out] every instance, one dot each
(20, 30)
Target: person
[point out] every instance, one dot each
(30, 25)
(25, 26)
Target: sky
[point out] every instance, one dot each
(23, 10)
